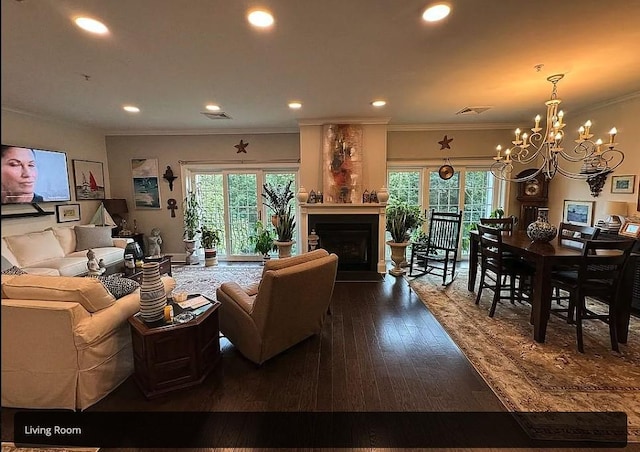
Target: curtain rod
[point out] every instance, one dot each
(241, 162)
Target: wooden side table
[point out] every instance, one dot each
(136, 273)
(172, 356)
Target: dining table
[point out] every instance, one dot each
(544, 257)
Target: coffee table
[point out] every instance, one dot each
(136, 273)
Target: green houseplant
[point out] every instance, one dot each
(278, 199)
(262, 240)
(192, 220)
(401, 219)
(210, 239)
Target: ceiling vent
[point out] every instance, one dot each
(217, 115)
(472, 110)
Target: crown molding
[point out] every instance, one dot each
(323, 121)
(609, 102)
(448, 127)
(248, 131)
(66, 122)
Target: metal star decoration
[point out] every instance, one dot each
(242, 147)
(444, 144)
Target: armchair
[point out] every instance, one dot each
(289, 305)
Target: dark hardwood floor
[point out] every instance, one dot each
(380, 350)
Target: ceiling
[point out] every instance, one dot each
(172, 57)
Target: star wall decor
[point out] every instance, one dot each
(444, 144)
(242, 147)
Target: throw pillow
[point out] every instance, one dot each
(119, 286)
(6, 263)
(14, 271)
(98, 237)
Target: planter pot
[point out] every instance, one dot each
(265, 258)
(210, 257)
(284, 248)
(191, 256)
(398, 251)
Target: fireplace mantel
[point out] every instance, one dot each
(378, 209)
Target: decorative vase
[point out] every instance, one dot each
(153, 298)
(541, 230)
(302, 195)
(383, 195)
(284, 248)
(398, 251)
(210, 257)
(190, 249)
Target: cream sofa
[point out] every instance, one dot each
(65, 341)
(55, 251)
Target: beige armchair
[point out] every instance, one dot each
(289, 305)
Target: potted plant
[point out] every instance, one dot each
(262, 241)
(210, 239)
(401, 220)
(192, 219)
(278, 199)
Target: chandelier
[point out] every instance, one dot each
(545, 146)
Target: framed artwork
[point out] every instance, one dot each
(578, 212)
(67, 212)
(88, 179)
(342, 163)
(146, 189)
(623, 184)
(630, 229)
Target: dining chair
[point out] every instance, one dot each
(505, 223)
(438, 254)
(495, 265)
(572, 236)
(597, 277)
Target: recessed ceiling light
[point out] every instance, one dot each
(378, 103)
(212, 107)
(437, 12)
(91, 25)
(295, 105)
(260, 18)
(131, 109)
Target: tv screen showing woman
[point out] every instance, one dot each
(33, 175)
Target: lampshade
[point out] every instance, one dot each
(616, 208)
(116, 206)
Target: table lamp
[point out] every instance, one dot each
(616, 211)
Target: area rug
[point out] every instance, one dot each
(532, 377)
(205, 280)
(11, 447)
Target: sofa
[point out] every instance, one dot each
(62, 251)
(66, 342)
(289, 304)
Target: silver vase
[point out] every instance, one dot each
(153, 298)
(541, 230)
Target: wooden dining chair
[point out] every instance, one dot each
(495, 265)
(572, 236)
(506, 224)
(597, 277)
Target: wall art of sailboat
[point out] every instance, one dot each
(89, 179)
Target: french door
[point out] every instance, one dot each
(231, 201)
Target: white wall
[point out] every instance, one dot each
(78, 142)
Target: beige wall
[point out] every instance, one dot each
(625, 117)
(78, 142)
(171, 150)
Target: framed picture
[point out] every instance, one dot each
(630, 229)
(88, 180)
(68, 212)
(578, 212)
(623, 184)
(146, 190)
(342, 163)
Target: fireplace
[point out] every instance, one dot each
(354, 238)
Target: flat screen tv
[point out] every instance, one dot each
(33, 175)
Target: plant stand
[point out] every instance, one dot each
(191, 257)
(284, 248)
(398, 252)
